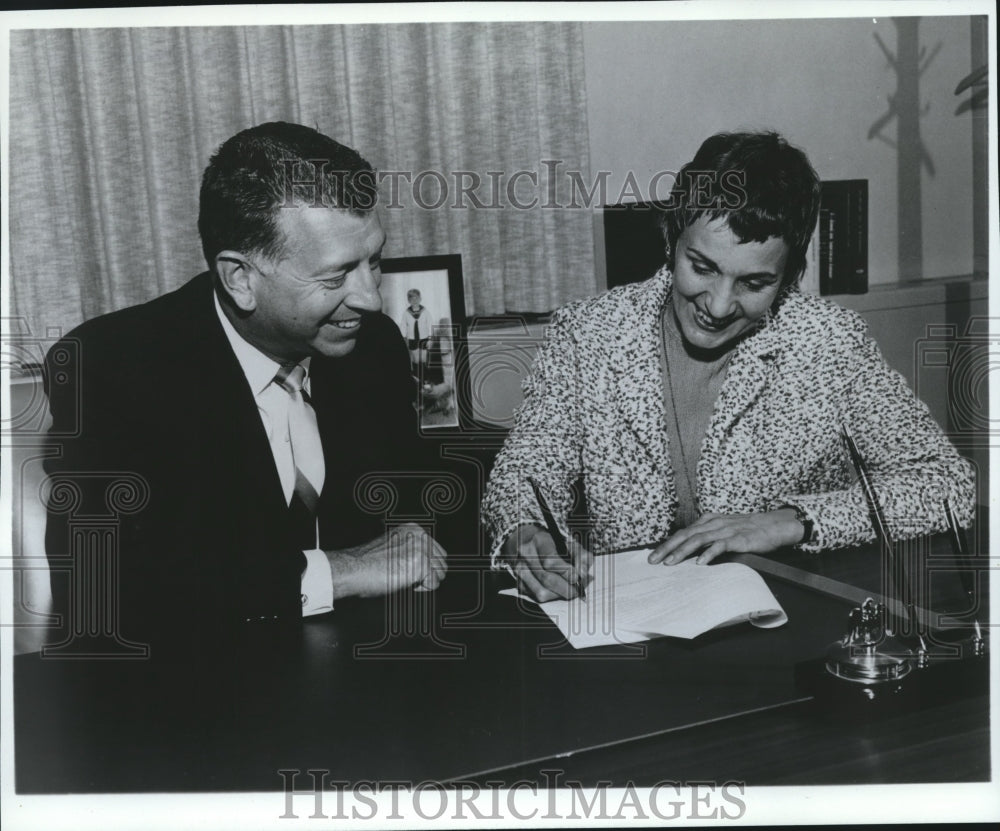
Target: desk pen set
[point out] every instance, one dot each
(878, 668)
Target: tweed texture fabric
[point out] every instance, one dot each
(594, 409)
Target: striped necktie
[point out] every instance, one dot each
(307, 455)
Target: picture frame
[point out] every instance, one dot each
(425, 297)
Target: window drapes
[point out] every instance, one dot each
(111, 128)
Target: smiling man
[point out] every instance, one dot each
(702, 409)
(243, 410)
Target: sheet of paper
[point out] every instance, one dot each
(630, 600)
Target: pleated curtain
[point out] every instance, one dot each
(110, 130)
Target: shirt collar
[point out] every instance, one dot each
(258, 368)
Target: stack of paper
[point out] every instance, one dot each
(630, 600)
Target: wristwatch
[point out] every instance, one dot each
(807, 524)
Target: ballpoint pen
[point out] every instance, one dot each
(897, 571)
(965, 564)
(556, 534)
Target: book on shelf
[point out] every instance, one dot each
(842, 237)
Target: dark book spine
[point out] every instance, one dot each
(846, 203)
(834, 200)
(858, 235)
(826, 227)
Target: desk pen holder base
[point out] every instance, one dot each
(870, 672)
(942, 680)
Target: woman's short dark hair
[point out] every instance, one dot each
(264, 168)
(763, 187)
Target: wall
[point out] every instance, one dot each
(655, 90)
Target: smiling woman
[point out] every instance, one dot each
(722, 287)
(703, 408)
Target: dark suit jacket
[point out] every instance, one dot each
(155, 397)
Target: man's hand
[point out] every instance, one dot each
(540, 571)
(402, 557)
(715, 534)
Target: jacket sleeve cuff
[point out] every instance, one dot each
(496, 563)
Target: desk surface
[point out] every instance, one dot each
(465, 685)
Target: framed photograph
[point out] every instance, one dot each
(425, 296)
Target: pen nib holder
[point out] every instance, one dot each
(868, 654)
(866, 673)
(869, 673)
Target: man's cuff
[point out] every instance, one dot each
(317, 584)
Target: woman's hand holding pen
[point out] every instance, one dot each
(541, 573)
(715, 534)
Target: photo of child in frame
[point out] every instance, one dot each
(420, 304)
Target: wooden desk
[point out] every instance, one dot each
(465, 685)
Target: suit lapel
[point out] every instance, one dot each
(240, 441)
(747, 377)
(640, 384)
(323, 386)
(639, 393)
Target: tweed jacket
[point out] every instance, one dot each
(594, 409)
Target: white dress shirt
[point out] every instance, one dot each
(427, 323)
(272, 405)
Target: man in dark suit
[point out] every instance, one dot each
(236, 427)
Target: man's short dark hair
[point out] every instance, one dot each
(260, 170)
(760, 184)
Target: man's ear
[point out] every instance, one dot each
(238, 278)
